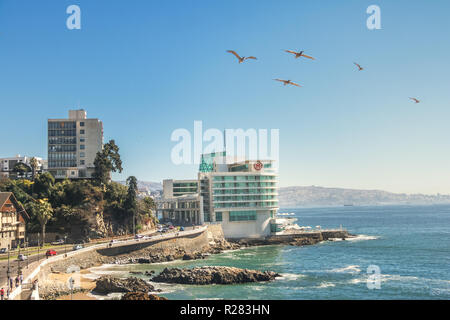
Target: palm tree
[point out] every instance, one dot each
(34, 166)
(44, 212)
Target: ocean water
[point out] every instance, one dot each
(409, 244)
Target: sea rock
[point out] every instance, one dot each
(213, 275)
(108, 284)
(141, 296)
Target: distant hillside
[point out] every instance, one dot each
(150, 187)
(291, 197)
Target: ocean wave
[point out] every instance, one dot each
(362, 237)
(289, 276)
(325, 285)
(347, 269)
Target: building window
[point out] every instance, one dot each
(82, 155)
(81, 131)
(242, 215)
(219, 216)
(82, 162)
(82, 139)
(81, 124)
(82, 146)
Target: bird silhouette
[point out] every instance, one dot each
(359, 67)
(299, 54)
(241, 59)
(286, 82)
(415, 100)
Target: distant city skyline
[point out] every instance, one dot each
(148, 68)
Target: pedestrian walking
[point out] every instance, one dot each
(17, 282)
(2, 293)
(21, 278)
(11, 282)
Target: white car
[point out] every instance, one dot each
(22, 257)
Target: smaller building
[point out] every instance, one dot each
(8, 167)
(13, 218)
(185, 210)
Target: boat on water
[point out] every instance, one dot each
(348, 205)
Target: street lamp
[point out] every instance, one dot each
(65, 246)
(8, 271)
(38, 245)
(26, 252)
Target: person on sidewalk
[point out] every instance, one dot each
(21, 278)
(11, 282)
(2, 293)
(17, 281)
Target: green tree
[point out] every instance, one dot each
(43, 185)
(43, 211)
(131, 201)
(21, 168)
(34, 166)
(107, 161)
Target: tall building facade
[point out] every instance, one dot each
(242, 196)
(73, 144)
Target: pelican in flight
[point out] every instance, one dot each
(299, 54)
(415, 100)
(359, 67)
(286, 82)
(241, 59)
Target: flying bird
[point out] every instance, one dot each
(241, 59)
(415, 100)
(359, 67)
(299, 54)
(286, 82)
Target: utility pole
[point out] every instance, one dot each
(8, 271)
(26, 252)
(38, 246)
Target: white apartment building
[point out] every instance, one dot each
(242, 196)
(73, 144)
(7, 166)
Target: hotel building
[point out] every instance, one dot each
(242, 196)
(73, 144)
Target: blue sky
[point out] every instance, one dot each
(147, 68)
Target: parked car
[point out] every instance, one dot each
(181, 228)
(78, 247)
(50, 253)
(171, 227)
(138, 236)
(58, 242)
(3, 250)
(22, 257)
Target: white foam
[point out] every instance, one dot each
(289, 276)
(348, 269)
(362, 237)
(325, 285)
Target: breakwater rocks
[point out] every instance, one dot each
(108, 284)
(213, 275)
(141, 296)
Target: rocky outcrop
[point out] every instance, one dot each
(213, 275)
(141, 296)
(303, 241)
(108, 284)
